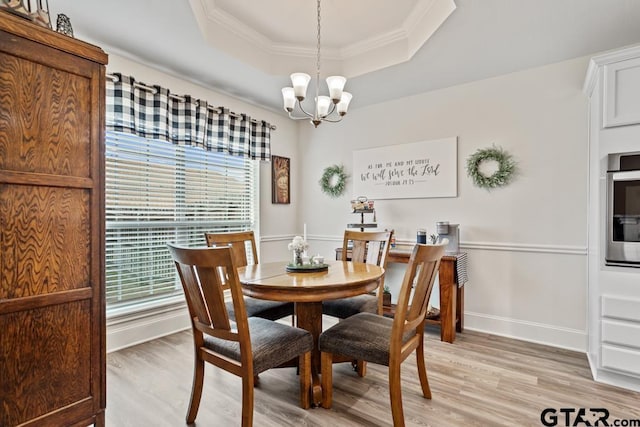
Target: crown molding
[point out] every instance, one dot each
(234, 26)
(609, 57)
(425, 20)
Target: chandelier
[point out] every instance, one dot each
(337, 102)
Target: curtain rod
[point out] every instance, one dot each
(150, 89)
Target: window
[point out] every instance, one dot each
(157, 192)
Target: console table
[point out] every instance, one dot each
(451, 319)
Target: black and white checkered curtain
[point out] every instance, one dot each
(150, 112)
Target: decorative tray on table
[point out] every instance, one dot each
(307, 268)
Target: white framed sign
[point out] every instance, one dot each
(407, 171)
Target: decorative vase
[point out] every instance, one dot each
(63, 25)
(297, 257)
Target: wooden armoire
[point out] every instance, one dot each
(52, 309)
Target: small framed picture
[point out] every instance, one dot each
(280, 169)
(17, 7)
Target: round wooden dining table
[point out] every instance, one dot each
(307, 290)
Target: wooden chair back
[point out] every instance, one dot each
(370, 248)
(411, 309)
(242, 244)
(205, 273)
(366, 246)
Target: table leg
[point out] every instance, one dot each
(448, 291)
(460, 309)
(309, 315)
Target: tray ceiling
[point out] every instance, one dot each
(479, 40)
(358, 36)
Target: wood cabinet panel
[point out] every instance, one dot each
(43, 362)
(45, 119)
(45, 236)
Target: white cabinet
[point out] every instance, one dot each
(622, 93)
(613, 87)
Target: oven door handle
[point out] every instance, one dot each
(625, 175)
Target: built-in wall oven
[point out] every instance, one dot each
(623, 209)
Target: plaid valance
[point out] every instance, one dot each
(153, 112)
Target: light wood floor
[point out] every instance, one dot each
(480, 380)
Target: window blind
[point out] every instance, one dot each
(158, 192)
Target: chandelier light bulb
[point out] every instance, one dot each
(343, 105)
(336, 85)
(300, 81)
(323, 103)
(289, 98)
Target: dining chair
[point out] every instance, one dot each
(243, 248)
(245, 348)
(385, 341)
(368, 247)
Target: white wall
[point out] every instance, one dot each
(526, 242)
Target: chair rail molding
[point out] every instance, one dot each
(468, 245)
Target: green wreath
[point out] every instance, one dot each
(333, 181)
(501, 177)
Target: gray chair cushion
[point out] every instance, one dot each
(255, 307)
(272, 344)
(363, 336)
(347, 307)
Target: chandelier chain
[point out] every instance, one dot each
(318, 64)
(318, 55)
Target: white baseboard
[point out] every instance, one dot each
(593, 364)
(570, 339)
(126, 331)
(617, 379)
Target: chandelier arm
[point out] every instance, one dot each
(291, 116)
(304, 111)
(333, 108)
(339, 119)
